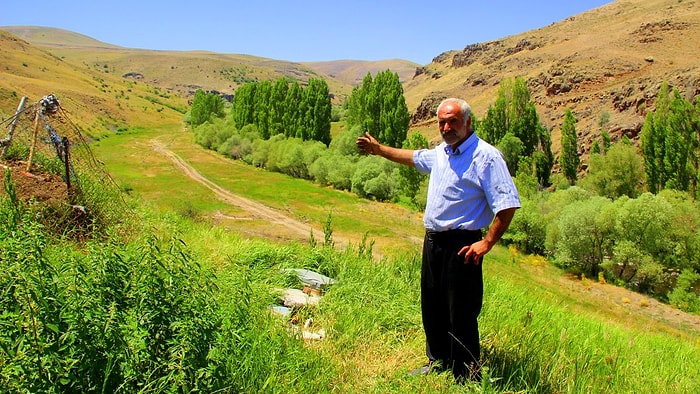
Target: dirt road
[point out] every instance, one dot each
(257, 210)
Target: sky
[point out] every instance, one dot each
(297, 31)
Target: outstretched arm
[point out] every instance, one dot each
(371, 146)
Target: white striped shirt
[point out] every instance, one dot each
(467, 187)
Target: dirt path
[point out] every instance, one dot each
(259, 211)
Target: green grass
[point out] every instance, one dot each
(153, 177)
(175, 285)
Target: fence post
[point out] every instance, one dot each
(66, 160)
(20, 107)
(33, 143)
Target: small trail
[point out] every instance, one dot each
(258, 210)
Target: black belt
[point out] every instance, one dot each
(450, 234)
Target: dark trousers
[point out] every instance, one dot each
(451, 299)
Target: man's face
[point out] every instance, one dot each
(452, 127)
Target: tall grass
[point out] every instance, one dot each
(537, 344)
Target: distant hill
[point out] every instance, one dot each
(184, 72)
(353, 71)
(50, 36)
(605, 65)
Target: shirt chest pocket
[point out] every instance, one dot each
(461, 189)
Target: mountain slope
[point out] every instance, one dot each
(183, 72)
(608, 60)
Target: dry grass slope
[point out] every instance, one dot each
(98, 101)
(610, 59)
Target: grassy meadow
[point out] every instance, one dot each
(176, 297)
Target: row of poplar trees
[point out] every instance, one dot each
(285, 107)
(378, 107)
(671, 143)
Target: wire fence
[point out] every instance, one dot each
(41, 138)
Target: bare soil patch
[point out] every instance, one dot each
(36, 184)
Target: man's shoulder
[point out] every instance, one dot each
(486, 148)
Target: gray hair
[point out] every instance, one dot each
(464, 109)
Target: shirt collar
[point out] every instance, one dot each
(462, 147)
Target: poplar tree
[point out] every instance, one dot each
(392, 117)
(278, 97)
(514, 115)
(379, 107)
(671, 143)
(318, 111)
(569, 158)
(205, 106)
(409, 178)
(654, 141)
(243, 105)
(292, 111)
(494, 126)
(262, 108)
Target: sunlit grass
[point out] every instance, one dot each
(132, 161)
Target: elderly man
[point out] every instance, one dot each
(470, 189)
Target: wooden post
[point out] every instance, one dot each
(66, 159)
(33, 143)
(20, 107)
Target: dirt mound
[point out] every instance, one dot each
(35, 185)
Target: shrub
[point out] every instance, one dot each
(645, 221)
(528, 230)
(341, 172)
(684, 296)
(619, 172)
(583, 233)
(372, 179)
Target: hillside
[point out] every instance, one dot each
(99, 101)
(608, 60)
(352, 72)
(184, 72)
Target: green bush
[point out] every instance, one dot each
(373, 179)
(583, 234)
(684, 295)
(528, 230)
(102, 316)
